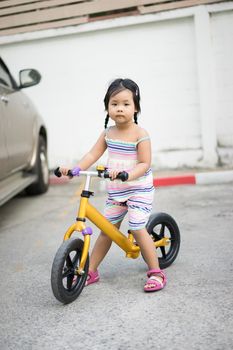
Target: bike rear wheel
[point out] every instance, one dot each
(162, 225)
(66, 284)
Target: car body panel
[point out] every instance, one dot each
(21, 128)
(18, 128)
(3, 150)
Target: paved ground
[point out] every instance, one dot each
(194, 311)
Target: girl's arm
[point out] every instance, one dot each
(144, 160)
(92, 156)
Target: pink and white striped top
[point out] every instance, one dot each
(122, 156)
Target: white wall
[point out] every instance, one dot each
(222, 38)
(166, 54)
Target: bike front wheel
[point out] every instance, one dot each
(66, 283)
(161, 225)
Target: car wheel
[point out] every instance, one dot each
(41, 170)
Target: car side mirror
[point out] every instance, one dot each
(29, 77)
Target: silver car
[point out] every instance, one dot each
(23, 137)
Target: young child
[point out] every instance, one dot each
(129, 150)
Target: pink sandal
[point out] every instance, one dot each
(154, 283)
(92, 277)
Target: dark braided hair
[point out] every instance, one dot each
(106, 121)
(117, 86)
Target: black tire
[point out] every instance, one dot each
(41, 169)
(163, 225)
(67, 285)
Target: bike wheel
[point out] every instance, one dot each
(66, 284)
(162, 225)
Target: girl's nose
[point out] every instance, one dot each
(119, 109)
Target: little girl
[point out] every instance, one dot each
(129, 150)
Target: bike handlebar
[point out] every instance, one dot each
(57, 172)
(123, 175)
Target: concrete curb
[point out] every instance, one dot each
(199, 178)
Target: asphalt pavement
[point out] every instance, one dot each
(194, 311)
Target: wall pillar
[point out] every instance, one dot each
(206, 82)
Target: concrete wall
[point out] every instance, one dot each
(182, 61)
(222, 42)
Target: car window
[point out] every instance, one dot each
(5, 78)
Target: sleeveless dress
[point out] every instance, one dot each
(134, 197)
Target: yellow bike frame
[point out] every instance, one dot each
(86, 210)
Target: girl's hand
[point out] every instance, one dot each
(64, 171)
(113, 174)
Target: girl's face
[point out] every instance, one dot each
(121, 107)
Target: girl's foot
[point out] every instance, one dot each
(92, 277)
(156, 281)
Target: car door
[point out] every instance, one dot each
(3, 150)
(17, 121)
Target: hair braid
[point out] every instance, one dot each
(106, 121)
(135, 118)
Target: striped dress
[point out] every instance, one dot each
(135, 196)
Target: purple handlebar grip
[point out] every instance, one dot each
(75, 171)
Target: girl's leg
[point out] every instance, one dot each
(148, 251)
(139, 208)
(100, 249)
(147, 247)
(103, 243)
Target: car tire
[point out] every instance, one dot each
(41, 170)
